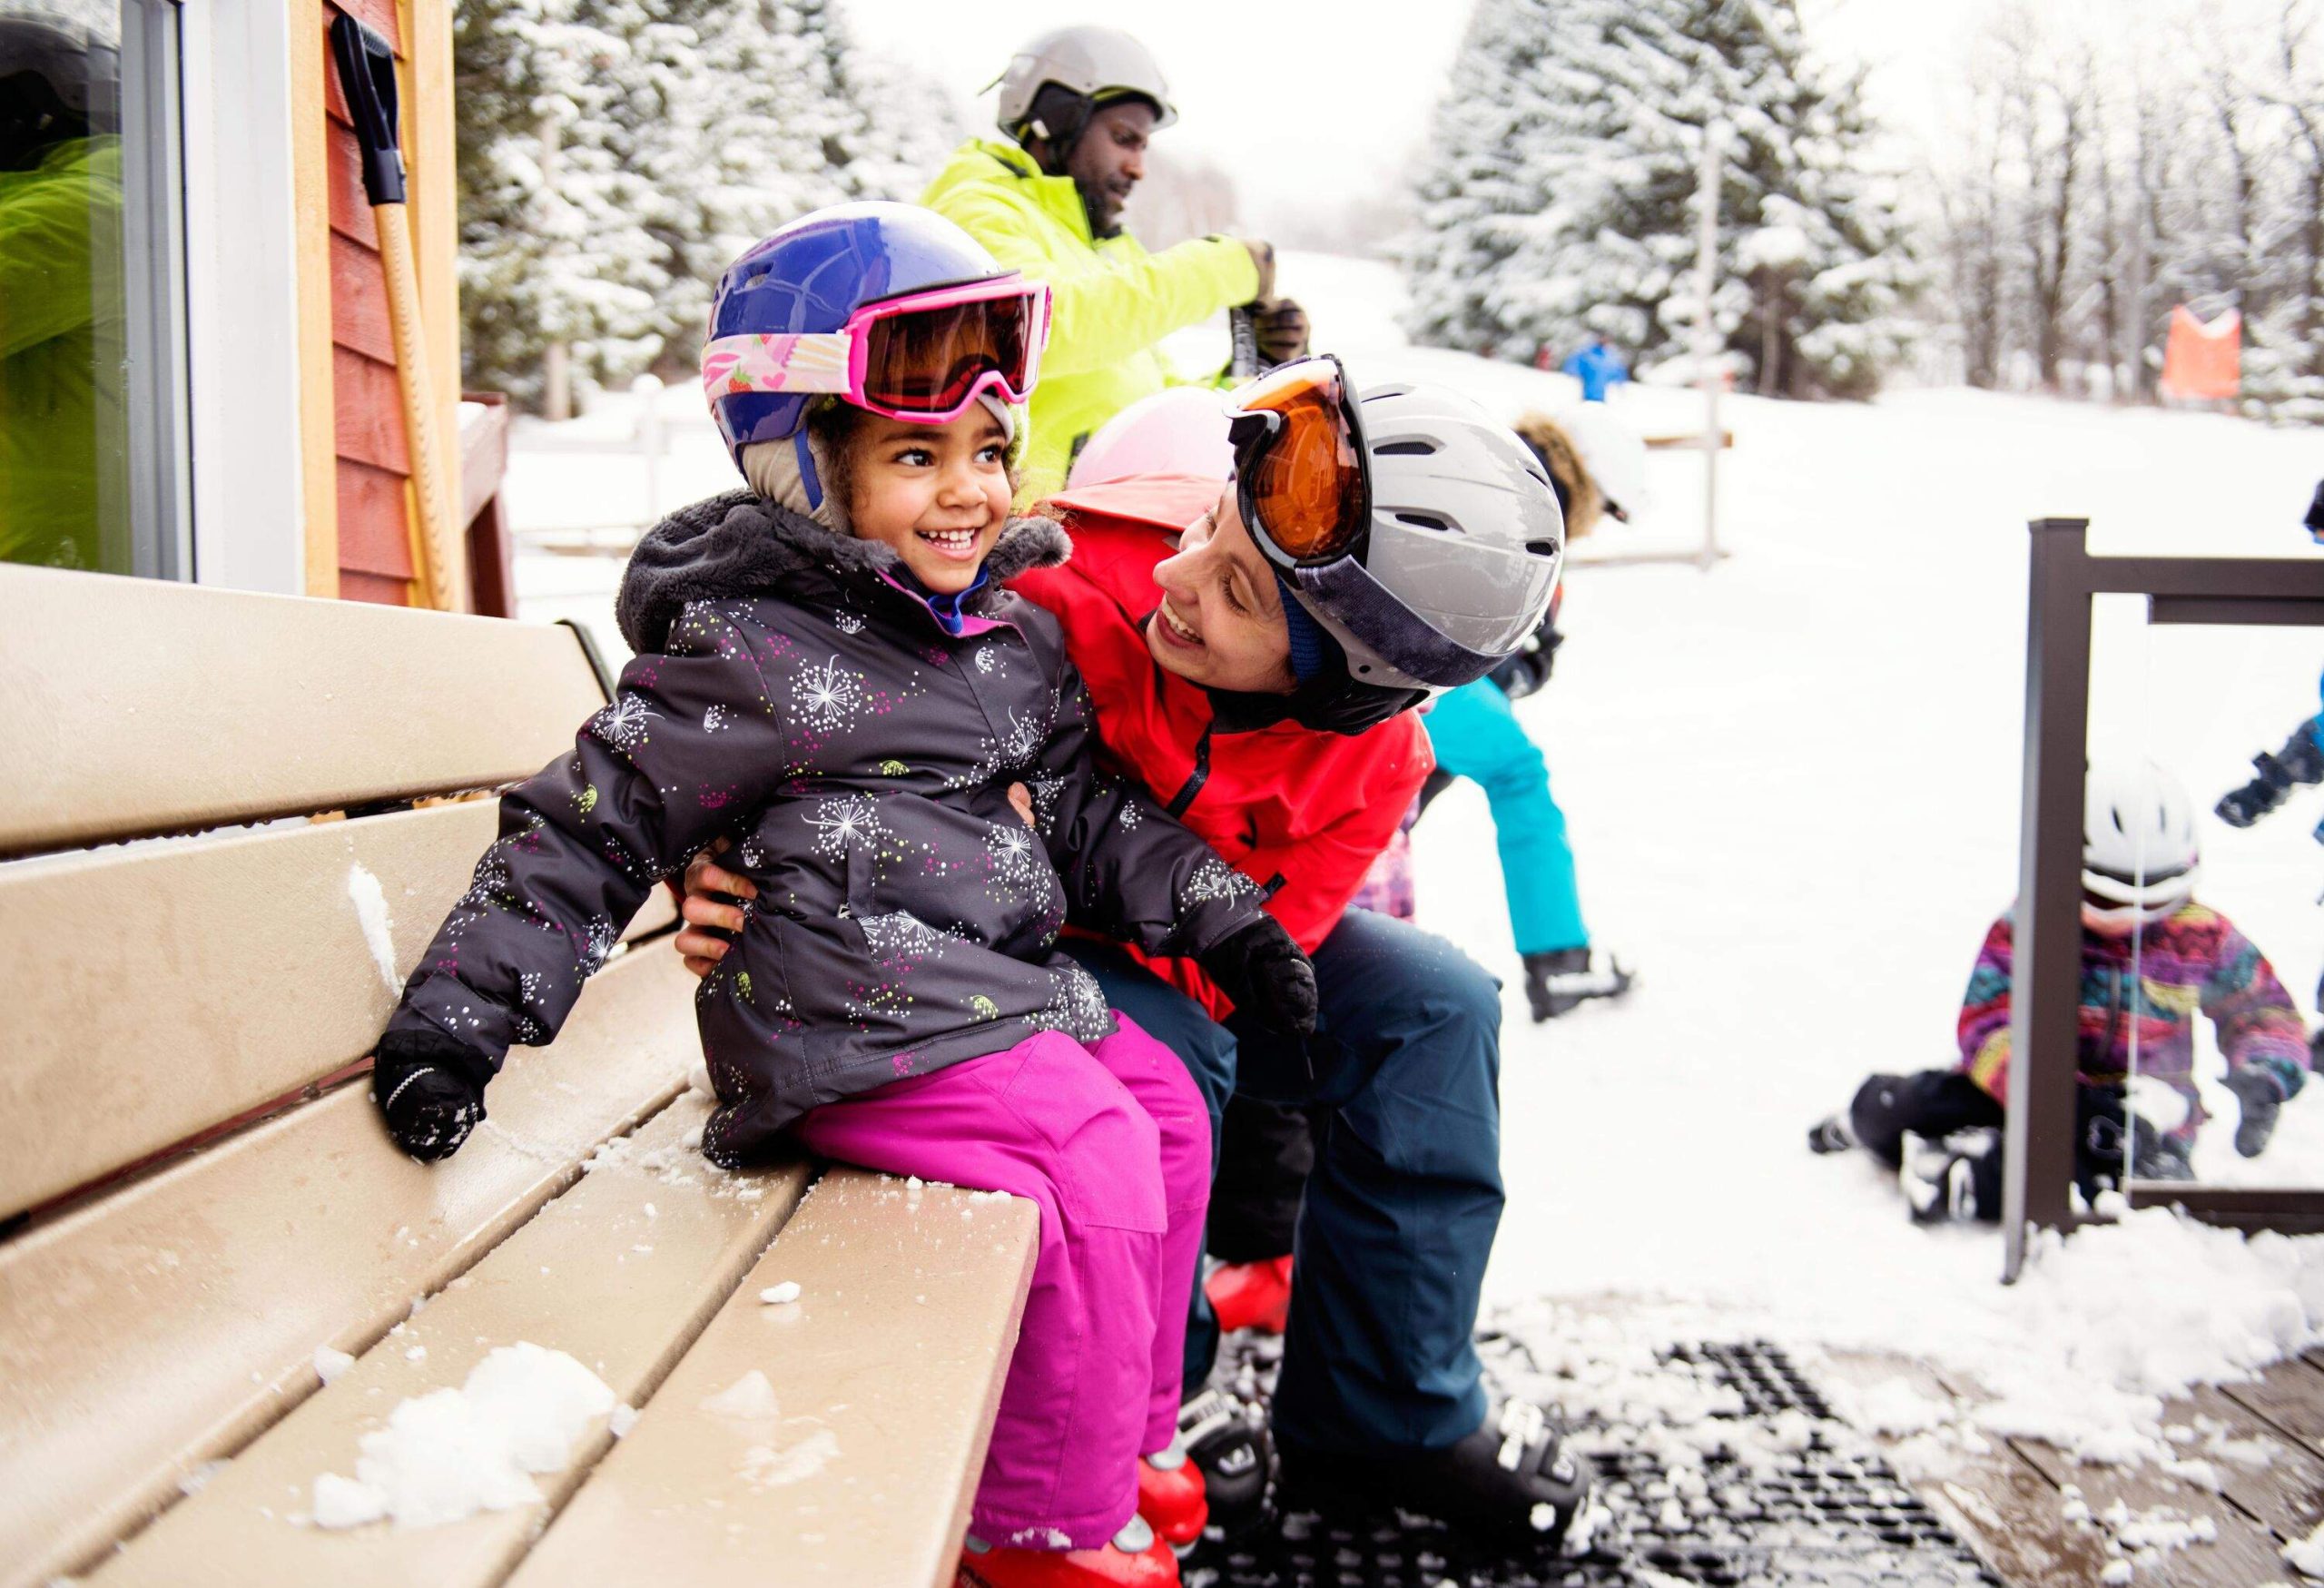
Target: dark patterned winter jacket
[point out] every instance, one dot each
(791, 693)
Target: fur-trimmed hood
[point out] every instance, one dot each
(1578, 490)
(740, 544)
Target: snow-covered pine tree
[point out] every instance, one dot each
(2283, 355)
(1558, 202)
(556, 210)
(911, 123)
(768, 135)
(616, 155)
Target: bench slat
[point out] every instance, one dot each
(571, 1280)
(231, 973)
(153, 719)
(168, 1323)
(886, 1374)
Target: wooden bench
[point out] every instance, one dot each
(198, 1194)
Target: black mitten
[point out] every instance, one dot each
(1262, 969)
(2240, 807)
(2263, 1100)
(2100, 1127)
(429, 1088)
(2301, 760)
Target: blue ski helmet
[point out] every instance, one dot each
(810, 276)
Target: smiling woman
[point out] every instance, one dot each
(1221, 621)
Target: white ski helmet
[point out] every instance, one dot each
(1179, 430)
(1613, 453)
(2139, 853)
(1093, 65)
(1466, 544)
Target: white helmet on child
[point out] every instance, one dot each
(2139, 853)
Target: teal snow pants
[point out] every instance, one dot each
(1478, 737)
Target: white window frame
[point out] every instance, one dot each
(243, 295)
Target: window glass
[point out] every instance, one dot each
(92, 444)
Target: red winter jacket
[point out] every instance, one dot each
(1299, 810)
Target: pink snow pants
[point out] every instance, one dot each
(1112, 1143)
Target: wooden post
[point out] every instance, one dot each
(310, 199)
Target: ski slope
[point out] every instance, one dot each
(1793, 789)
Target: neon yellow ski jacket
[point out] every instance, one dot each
(1114, 300)
(64, 424)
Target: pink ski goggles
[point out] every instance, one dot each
(923, 358)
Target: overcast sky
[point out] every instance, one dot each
(1310, 102)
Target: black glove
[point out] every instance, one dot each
(2101, 1124)
(1281, 328)
(2301, 760)
(2263, 1097)
(2240, 807)
(1271, 981)
(430, 1091)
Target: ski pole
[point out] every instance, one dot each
(1244, 361)
(367, 76)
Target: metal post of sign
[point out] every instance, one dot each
(1706, 348)
(1706, 345)
(2037, 1136)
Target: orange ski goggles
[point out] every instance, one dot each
(1299, 475)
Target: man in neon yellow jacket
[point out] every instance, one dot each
(1079, 103)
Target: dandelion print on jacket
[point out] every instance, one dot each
(791, 692)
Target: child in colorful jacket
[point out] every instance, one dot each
(2152, 957)
(830, 675)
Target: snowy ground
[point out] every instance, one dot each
(1792, 786)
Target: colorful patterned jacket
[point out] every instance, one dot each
(791, 694)
(2195, 960)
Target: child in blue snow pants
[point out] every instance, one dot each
(1477, 735)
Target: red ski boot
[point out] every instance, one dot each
(1136, 1558)
(1172, 1496)
(1251, 1296)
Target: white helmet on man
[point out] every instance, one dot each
(1092, 65)
(1466, 540)
(2139, 853)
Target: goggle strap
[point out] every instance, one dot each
(811, 480)
(1400, 636)
(814, 361)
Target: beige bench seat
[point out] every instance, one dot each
(196, 1192)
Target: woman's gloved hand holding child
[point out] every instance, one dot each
(1262, 969)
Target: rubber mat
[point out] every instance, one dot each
(1800, 1498)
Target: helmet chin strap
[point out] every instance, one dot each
(810, 481)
